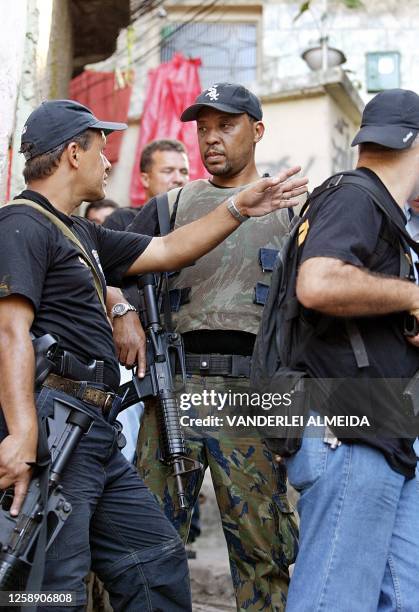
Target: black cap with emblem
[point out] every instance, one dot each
(56, 121)
(225, 97)
(390, 119)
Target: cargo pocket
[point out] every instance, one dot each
(287, 528)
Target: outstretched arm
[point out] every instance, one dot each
(188, 243)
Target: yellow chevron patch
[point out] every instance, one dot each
(302, 232)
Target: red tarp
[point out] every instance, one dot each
(97, 91)
(171, 88)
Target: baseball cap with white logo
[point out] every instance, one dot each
(390, 119)
(225, 97)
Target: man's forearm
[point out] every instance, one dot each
(17, 368)
(189, 242)
(338, 289)
(114, 296)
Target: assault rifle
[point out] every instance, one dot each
(24, 538)
(164, 350)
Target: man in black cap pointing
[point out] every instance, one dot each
(359, 530)
(53, 270)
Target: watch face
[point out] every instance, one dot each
(119, 309)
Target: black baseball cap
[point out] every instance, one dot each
(390, 119)
(227, 97)
(56, 121)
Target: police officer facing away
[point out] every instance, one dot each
(116, 526)
(359, 530)
(218, 322)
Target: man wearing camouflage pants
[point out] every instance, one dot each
(220, 319)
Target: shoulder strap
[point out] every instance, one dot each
(73, 238)
(166, 208)
(162, 202)
(382, 202)
(173, 197)
(163, 214)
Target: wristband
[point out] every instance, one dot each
(232, 208)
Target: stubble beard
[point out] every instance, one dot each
(224, 170)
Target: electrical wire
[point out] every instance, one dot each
(203, 11)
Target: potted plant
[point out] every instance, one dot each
(321, 56)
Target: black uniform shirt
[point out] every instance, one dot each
(38, 262)
(346, 227)
(120, 219)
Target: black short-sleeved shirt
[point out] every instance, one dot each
(346, 226)
(120, 219)
(38, 262)
(146, 221)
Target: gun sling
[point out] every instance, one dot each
(73, 238)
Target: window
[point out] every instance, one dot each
(227, 50)
(383, 71)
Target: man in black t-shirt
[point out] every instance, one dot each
(359, 531)
(164, 165)
(50, 286)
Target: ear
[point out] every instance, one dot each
(73, 154)
(258, 131)
(145, 179)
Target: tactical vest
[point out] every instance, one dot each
(222, 283)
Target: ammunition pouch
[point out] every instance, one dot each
(234, 366)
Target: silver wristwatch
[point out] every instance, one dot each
(120, 309)
(232, 208)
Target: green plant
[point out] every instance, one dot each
(305, 6)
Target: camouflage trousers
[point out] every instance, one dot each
(258, 523)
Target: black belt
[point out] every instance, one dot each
(236, 366)
(80, 390)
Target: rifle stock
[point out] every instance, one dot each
(19, 535)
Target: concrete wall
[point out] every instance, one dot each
(12, 35)
(46, 69)
(292, 138)
(382, 25)
(120, 178)
(311, 131)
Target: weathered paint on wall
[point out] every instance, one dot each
(46, 70)
(12, 34)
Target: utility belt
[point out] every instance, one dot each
(234, 366)
(82, 391)
(61, 370)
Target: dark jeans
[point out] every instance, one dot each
(116, 528)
